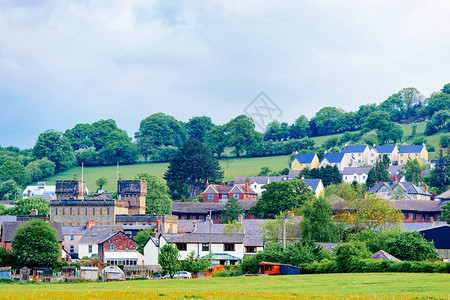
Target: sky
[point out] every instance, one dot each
(69, 62)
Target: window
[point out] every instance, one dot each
(250, 249)
(72, 238)
(364, 177)
(354, 177)
(210, 196)
(90, 249)
(414, 216)
(228, 247)
(417, 154)
(401, 161)
(182, 246)
(205, 247)
(236, 196)
(422, 217)
(406, 215)
(401, 154)
(72, 248)
(295, 165)
(112, 247)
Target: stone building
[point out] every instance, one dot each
(72, 209)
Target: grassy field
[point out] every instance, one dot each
(232, 167)
(322, 286)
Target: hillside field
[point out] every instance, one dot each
(318, 286)
(232, 167)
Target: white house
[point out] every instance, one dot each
(359, 175)
(40, 190)
(357, 154)
(226, 249)
(88, 244)
(377, 151)
(335, 159)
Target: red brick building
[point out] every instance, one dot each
(222, 192)
(118, 249)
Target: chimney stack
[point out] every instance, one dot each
(207, 183)
(247, 186)
(223, 183)
(89, 224)
(34, 212)
(158, 225)
(240, 218)
(426, 187)
(395, 179)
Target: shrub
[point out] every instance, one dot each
(348, 256)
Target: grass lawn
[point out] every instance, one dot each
(232, 167)
(319, 286)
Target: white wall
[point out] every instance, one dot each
(361, 179)
(83, 250)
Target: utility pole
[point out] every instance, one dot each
(284, 232)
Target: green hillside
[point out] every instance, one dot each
(232, 167)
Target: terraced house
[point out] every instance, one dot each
(407, 153)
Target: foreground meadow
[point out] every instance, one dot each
(322, 286)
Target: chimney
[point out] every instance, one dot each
(34, 212)
(426, 187)
(158, 224)
(89, 224)
(303, 177)
(29, 193)
(223, 183)
(296, 152)
(395, 179)
(247, 185)
(207, 183)
(194, 229)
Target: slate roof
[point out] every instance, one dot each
(9, 230)
(221, 256)
(197, 238)
(444, 196)
(354, 149)
(408, 186)
(333, 157)
(304, 158)
(82, 203)
(7, 219)
(355, 170)
(384, 149)
(256, 242)
(410, 149)
(136, 218)
(252, 227)
(417, 205)
(73, 230)
(312, 183)
(293, 174)
(257, 179)
(384, 256)
(97, 234)
(205, 207)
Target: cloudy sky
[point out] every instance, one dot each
(69, 62)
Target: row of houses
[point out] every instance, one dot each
(360, 155)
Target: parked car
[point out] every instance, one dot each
(179, 275)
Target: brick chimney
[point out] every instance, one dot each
(247, 186)
(223, 183)
(158, 224)
(207, 183)
(89, 224)
(240, 218)
(426, 187)
(395, 179)
(34, 212)
(303, 177)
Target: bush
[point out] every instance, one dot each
(228, 273)
(348, 256)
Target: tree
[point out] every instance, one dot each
(411, 246)
(198, 127)
(349, 254)
(9, 190)
(231, 211)
(158, 199)
(440, 176)
(168, 259)
(80, 136)
(101, 181)
(272, 230)
(413, 171)
(316, 224)
(216, 140)
(444, 141)
(194, 264)
(445, 214)
(118, 148)
(345, 190)
(193, 165)
(282, 196)
(325, 121)
(379, 173)
(241, 134)
(328, 174)
(159, 130)
(300, 128)
(141, 238)
(15, 171)
(438, 122)
(36, 244)
(386, 129)
(24, 206)
(55, 147)
(234, 227)
(372, 212)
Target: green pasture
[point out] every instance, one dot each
(232, 167)
(318, 286)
